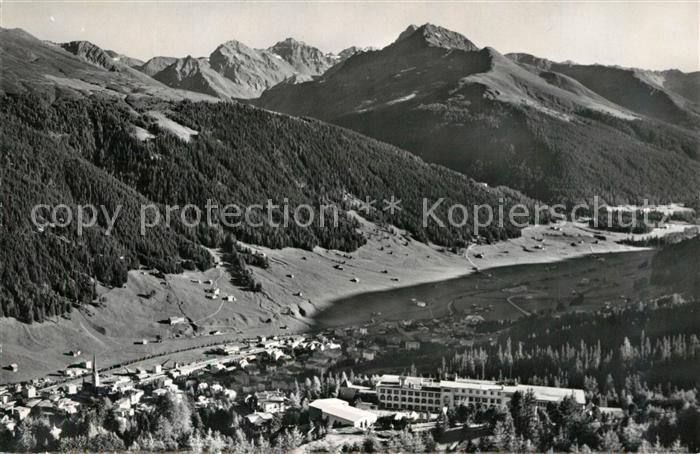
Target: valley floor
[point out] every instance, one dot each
(296, 286)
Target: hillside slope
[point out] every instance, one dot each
(29, 65)
(106, 152)
(670, 96)
(546, 133)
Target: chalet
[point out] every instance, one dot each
(20, 412)
(160, 392)
(368, 355)
(412, 345)
(202, 401)
(229, 393)
(135, 396)
(29, 392)
(122, 408)
(7, 424)
(68, 406)
(270, 402)
(274, 354)
(257, 422)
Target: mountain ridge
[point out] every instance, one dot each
(551, 133)
(30, 65)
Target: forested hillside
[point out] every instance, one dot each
(642, 357)
(679, 264)
(98, 151)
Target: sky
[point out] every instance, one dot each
(651, 35)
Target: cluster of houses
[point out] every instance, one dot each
(212, 292)
(133, 391)
(357, 406)
(368, 342)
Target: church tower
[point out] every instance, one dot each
(95, 374)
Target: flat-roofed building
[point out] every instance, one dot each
(545, 394)
(339, 412)
(428, 395)
(348, 390)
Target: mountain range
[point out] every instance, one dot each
(556, 131)
(81, 126)
(236, 71)
(86, 125)
(77, 69)
(232, 71)
(559, 132)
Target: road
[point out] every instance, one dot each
(510, 301)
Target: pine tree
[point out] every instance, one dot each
(610, 442)
(195, 442)
(504, 433)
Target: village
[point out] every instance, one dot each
(261, 377)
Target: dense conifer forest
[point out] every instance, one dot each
(85, 151)
(646, 362)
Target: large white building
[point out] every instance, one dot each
(427, 395)
(339, 412)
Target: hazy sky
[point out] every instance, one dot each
(654, 35)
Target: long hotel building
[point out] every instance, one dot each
(427, 395)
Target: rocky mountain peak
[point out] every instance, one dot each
(436, 36)
(90, 52)
(305, 59)
(290, 42)
(231, 47)
(406, 33)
